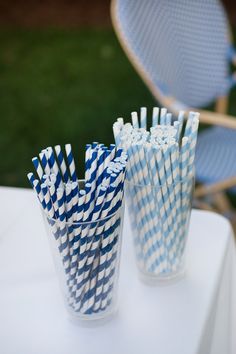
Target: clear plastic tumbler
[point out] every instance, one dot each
(160, 219)
(87, 256)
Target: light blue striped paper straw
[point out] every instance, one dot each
(134, 118)
(143, 117)
(140, 222)
(169, 198)
(154, 260)
(177, 211)
(163, 116)
(142, 198)
(155, 115)
(152, 157)
(168, 118)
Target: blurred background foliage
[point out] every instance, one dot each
(63, 78)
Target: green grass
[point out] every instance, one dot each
(58, 87)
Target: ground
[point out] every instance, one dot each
(60, 86)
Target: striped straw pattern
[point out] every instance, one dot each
(85, 220)
(159, 185)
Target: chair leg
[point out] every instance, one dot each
(219, 203)
(199, 204)
(222, 203)
(221, 105)
(233, 223)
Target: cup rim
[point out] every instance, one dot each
(81, 223)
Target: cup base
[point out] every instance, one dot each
(94, 320)
(162, 279)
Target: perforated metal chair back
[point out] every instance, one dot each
(180, 46)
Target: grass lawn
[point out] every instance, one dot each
(58, 87)
(62, 86)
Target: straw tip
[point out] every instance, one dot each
(82, 192)
(57, 147)
(30, 176)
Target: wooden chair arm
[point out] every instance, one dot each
(213, 118)
(206, 117)
(199, 204)
(203, 190)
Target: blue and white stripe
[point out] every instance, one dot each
(87, 245)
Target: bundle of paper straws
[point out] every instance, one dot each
(159, 184)
(85, 220)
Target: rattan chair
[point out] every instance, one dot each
(182, 51)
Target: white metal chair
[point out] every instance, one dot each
(182, 49)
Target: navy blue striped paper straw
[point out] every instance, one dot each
(84, 220)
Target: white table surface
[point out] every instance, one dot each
(191, 316)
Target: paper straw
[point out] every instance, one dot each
(53, 194)
(83, 246)
(181, 121)
(154, 260)
(87, 162)
(143, 118)
(62, 163)
(155, 115)
(140, 219)
(168, 118)
(107, 257)
(38, 167)
(71, 162)
(168, 195)
(75, 199)
(36, 186)
(142, 199)
(105, 231)
(188, 127)
(154, 158)
(44, 162)
(54, 166)
(69, 217)
(48, 201)
(134, 118)
(177, 202)
(111, 261)
(163, 116)
(100, 167)
(77, 233)
(64, 245)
